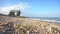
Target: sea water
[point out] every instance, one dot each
(50, 19)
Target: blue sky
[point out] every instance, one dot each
(33, 8)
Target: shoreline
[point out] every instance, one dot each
(45, 20)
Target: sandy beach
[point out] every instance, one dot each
(18, 25)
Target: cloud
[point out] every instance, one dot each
(20, 6)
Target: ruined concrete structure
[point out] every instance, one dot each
(14, 13)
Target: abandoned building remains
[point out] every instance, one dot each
(14, 13)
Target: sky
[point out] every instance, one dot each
(32, 8)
